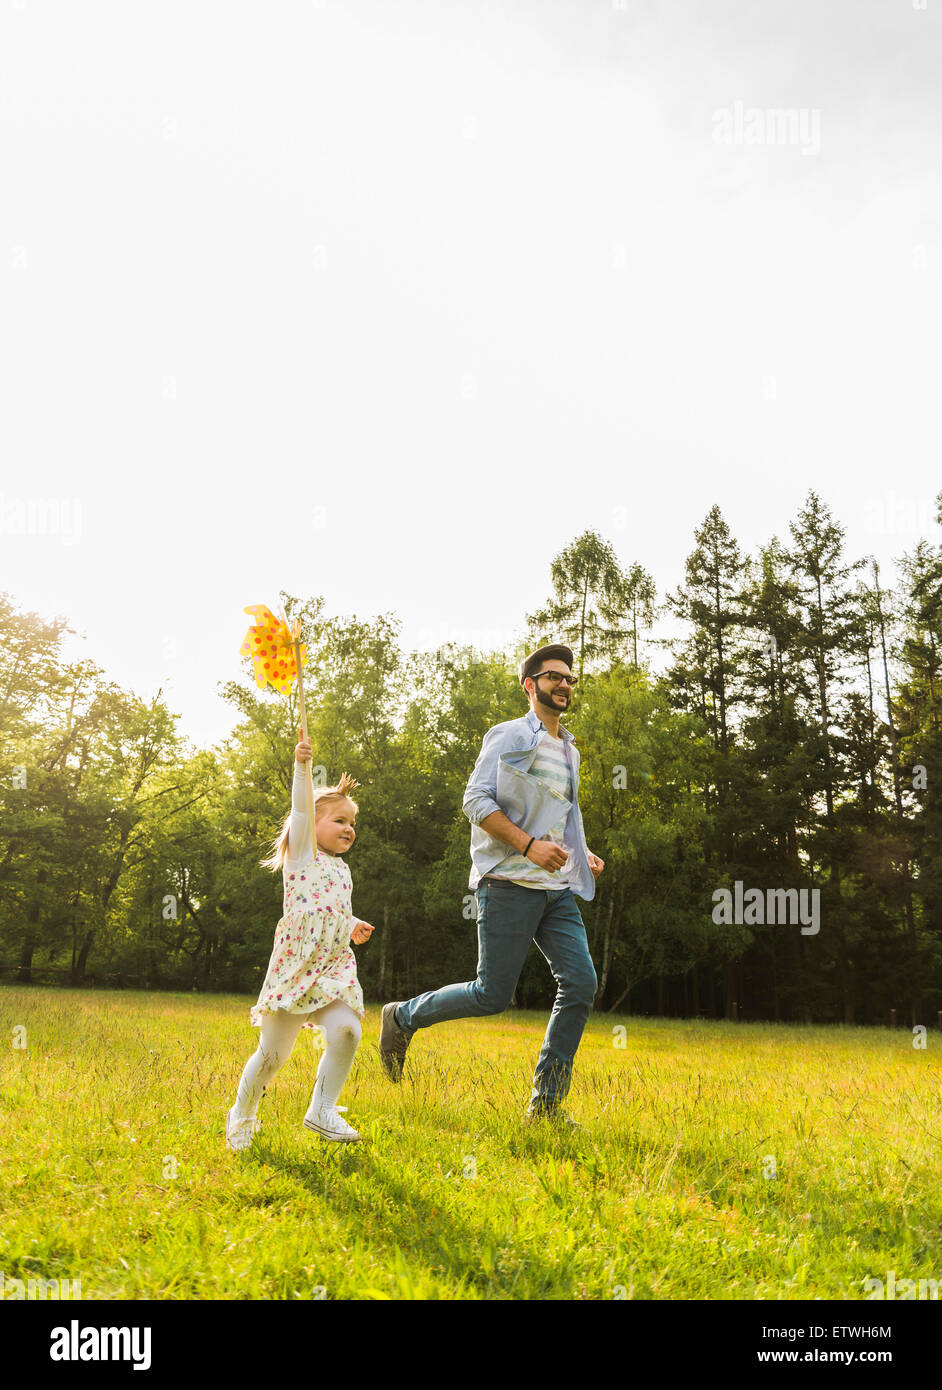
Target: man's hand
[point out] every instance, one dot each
(361, 932)
(547, 854)
(595, 864)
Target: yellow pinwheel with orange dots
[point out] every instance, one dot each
(273, 649)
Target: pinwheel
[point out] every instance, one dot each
(274, 649)
(278, 655)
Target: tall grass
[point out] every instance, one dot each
(716, 1161)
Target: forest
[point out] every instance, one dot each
(774, 722)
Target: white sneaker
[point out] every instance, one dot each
(326, 1122)
(239, 1132)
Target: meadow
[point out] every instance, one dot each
(716, 1160)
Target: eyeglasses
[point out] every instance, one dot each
(556, 677)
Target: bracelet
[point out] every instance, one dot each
(532, 838)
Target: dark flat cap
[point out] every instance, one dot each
(533, 662)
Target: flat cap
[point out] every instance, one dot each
(533, 662)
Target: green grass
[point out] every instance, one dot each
(113, 1167)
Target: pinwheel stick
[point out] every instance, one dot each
(296, 637)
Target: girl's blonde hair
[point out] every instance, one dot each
(322, 797)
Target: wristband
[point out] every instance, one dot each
(532, 838)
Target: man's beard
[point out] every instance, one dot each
(550, 703)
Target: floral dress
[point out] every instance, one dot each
(312, 962)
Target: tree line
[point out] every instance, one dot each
(788, 739)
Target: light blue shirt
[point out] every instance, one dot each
(551, 764)
(501, 781)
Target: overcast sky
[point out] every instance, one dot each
(389, 301)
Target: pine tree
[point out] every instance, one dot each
(830, 639)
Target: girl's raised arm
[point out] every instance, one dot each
(299, 832)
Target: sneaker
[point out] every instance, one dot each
(327, 1122)
(393, 1042)
(239, 1132)
(553, 1114)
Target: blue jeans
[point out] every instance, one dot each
(510, 917)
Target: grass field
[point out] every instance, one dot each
(113, 1167)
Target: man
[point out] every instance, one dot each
(529, 856)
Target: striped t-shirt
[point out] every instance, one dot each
(551, 765)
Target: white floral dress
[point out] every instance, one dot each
(312, 962)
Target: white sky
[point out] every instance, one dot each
(469, 277)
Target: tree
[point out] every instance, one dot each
(831, 634)
(641, 762)
(593, 601)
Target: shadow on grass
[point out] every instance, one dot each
(417, 1224)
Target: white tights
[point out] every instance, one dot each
(278, 1034)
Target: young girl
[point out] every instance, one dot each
(312, 979)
